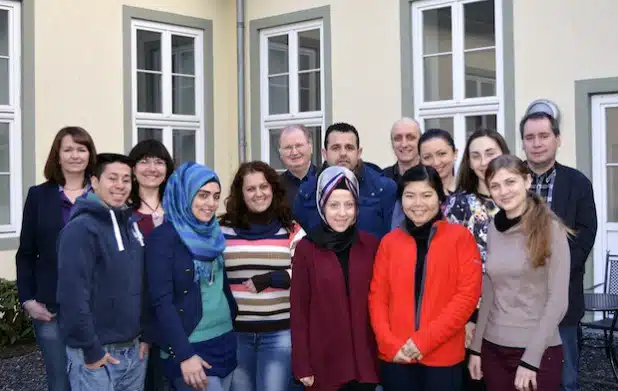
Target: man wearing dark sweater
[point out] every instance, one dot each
(295, 151)
(569, 194)
(100, 290)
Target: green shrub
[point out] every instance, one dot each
(14, 324)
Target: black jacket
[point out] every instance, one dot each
(36, 259)
(573, 202)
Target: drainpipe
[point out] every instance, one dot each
(240, 57)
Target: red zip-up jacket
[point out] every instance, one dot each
(450, 292)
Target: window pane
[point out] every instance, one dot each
(184, 146)
(183, 55)
(4, 81)
(437, 31)
(5, 199)
(309, 91)
(278, 95)
(438, 77)
(316, 138)
(445, 123)
(273, 143)
(4, 33)
(479, 24)
(612, 194)
(481, 69)
(148, 50)
(277, 54)
(148, 92)
(474, 122)
(611, 136)
(149, 134)
(309, 50)
(4, 147)
(183, 89)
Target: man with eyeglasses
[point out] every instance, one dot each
(295, 151)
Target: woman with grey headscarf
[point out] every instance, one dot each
(333, 346)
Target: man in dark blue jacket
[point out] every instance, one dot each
(100, 289)
(377, 192)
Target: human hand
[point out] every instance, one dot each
(250, 286)
(470, 328)
(193, 372)
(474, 366)
(143, 350)
(107, 359)
(525, 379)
(38, 311)
(307, 381)
(411, 350)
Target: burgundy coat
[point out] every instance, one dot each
(332, 337)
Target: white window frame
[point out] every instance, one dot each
(12, 114)
(270, 122)
(459, 107)
(599, 104)
(167, 121)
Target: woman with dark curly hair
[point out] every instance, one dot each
(260, 236)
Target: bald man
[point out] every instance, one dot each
(404, 140)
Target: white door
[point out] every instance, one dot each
(604, 112)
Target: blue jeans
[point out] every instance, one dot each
(214, 384)
(128, 375)
(570, 347)
(264, 362)
(54, 354)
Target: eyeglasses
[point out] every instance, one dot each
(289, 148)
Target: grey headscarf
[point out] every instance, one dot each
(328, 181)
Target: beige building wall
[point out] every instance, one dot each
(79, 67)
(366, 65)
(79, 76)
(557, 45)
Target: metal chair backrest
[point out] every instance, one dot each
(611, 274)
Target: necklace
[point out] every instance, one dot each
(155, 214)
(68, 189)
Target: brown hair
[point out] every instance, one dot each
(236, 214)
(537, 220)
(467, 180)
(53, 171)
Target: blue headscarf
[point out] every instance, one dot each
(205, 241)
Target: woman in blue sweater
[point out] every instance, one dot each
(191, 298)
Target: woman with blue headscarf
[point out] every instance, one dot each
(333, 346)
(193, 307)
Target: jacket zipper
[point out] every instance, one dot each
(417, 312)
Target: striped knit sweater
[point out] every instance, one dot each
(268, 310)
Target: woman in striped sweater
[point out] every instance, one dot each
(260, 235)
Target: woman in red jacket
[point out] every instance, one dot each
(426, 284)
(333, 347)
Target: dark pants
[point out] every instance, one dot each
(571, 336)
(499, 365)
(155, 380)
(417, 377)
(468, 383)
(356, 386)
